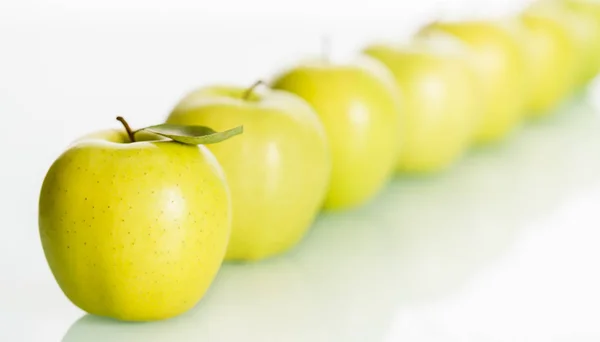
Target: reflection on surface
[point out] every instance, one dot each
(421, 240)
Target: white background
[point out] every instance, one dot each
(501, 248)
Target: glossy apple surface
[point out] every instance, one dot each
(278, 170)
(497, 61)
(359, 107)
(134, 231)
(440, 103)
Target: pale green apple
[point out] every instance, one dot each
(583, 28)
(585, 7)
(134, 230)
(359, 107)
(589, 12)
(499, 66)
(278, 170)
(440, 107)
(550, 62)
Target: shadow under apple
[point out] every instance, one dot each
(420, 239)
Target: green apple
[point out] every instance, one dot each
(588, 12)
(585, 8)
(359, 107)
(278, 171)
(550, 62)
(134, 229)
(583, 28)
(440, 102)
(495, 56)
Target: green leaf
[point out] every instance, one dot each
(193, 135)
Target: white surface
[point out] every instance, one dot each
(503, 247)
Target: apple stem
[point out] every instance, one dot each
(127, 128)
(249, 91)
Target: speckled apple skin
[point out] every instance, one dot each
(134, 231)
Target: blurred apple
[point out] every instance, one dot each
(590, 7)
(549, 61)
(591, 10)
(440, 102)
(584, 31)
(278, 171)
(498, 64)
(359, 106)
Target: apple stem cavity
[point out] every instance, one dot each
(130, 132)
(246, 95)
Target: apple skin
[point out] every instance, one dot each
(583, 28)
(278, 170)
(497, 61)
(588, 12)
(358, 105)
(134, 231)
(550, 62)
(440, 105)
